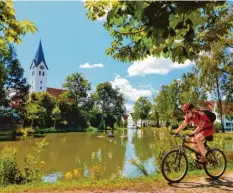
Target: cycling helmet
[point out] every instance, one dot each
(187, 106)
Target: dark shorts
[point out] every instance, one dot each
(206, 132)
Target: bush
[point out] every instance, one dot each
(218, 127)
(25, 131)
(101, 125)
(10, 172)
(91, 129)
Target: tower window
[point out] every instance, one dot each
(43, 73)
(33, 73)
(39, 73)
(41, 88)
(40, 82)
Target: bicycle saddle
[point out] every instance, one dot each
(209, 138)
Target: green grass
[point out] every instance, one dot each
(136, 184)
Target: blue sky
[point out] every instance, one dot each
(71, 41)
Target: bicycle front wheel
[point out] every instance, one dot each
(216, 163)
(174, 166)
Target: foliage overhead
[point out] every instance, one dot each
(179, 30)
(10, 28)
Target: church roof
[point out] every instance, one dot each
(39, 57)
(55, 91)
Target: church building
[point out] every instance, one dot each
(39, 73)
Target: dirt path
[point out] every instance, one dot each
(198, 185)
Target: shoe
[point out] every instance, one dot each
(202, 160)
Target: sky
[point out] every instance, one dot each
(72, 43)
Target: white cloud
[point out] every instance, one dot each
(87, 65)
(130, 93)
(230, 50)
(129, 107)
(155, 66)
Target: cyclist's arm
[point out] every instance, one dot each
(199, 127)
(181, 127)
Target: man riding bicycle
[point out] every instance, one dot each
(204, 128)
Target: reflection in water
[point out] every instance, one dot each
(68, 151)
(130, 170)
(53, 177)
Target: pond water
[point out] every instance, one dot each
(67, 151)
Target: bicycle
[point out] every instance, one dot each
(175, 163)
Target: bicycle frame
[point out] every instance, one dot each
(184, 146)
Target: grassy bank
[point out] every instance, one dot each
(136, 184)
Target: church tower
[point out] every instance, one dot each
(38, 72)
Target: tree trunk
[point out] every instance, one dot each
(32, 122)
(220, 104)
(141, 123)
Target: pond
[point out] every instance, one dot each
(67, 151)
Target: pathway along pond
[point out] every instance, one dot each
(67, 151)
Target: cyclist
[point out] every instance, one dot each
(204, 128)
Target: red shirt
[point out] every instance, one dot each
(198, 116)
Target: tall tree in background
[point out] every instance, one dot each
(162, 104)
(111, 103)
(179, 30)
(141, 109)
(191, 89)
(16, 86)
(11, 30)
(216, 71)
(78, 87)
(3, 76)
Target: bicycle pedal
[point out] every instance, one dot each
(198, 166)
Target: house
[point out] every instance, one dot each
(227, 109)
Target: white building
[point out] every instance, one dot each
(227, 124)
(38, 72)
(130, 121)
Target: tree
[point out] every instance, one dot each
(218, 65)
(111, 103)
(142, 108)
(179, 30)
(162, 104)
(56, 115)
(16, 85)
(11, 29)
(154, 116)
(34, 112)
(77, 86)
(191, 89)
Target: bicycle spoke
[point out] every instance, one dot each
(174, 166)
(216, 163)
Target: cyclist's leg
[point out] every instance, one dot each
(194, 145)
(199, 138)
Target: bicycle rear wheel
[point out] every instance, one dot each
(216, 164)
(174, 166)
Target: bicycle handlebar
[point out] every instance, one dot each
(182, 136)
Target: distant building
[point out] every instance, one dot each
(227, 109)
(39, 74)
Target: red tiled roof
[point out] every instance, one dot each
(227, 107)
(55, 91)
(125, 117)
